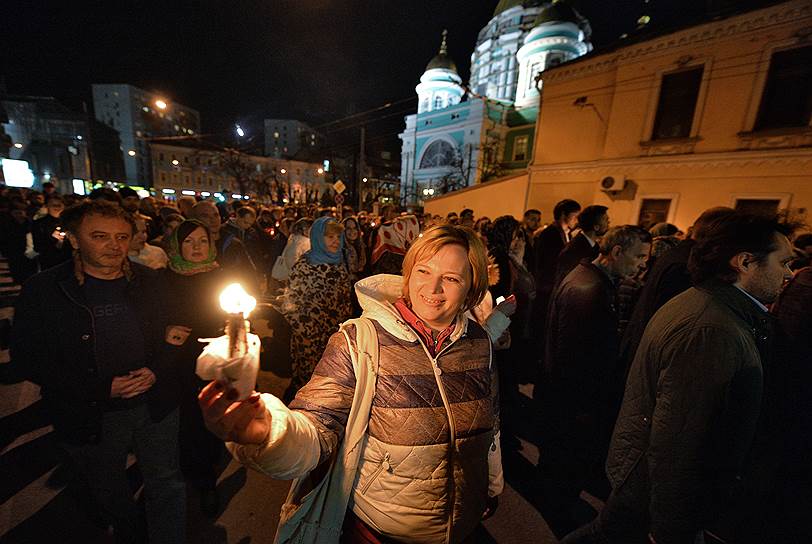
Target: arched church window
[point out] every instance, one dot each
(439, 153)
(438, 102)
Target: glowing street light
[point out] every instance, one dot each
(320, 171)
(365, 180)
(160, 104)
(131, 152)
(240, 131)
(175, 162)
(284, 171)
(18, 145)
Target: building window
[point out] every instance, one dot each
(438, 102)
(520, 148)
(160, 156)
(765, 206)
(653, 211)
(677, 104)
(787, 100)
(439, 153)
(163, 177)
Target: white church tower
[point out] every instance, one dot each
(559, 34)
(440, 85)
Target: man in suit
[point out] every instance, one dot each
(593, 222)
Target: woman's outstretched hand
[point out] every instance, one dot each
(244, 422)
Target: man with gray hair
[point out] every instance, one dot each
(581, 387)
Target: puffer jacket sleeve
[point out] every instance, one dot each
(701, 393)
(309, 431)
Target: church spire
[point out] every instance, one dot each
(444, 45)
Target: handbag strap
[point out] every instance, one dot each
(365, 361)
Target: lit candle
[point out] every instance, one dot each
(237, 304)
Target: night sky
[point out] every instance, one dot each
(242, 61)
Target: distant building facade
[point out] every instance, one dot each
(463, 135)
(59, 144)
(138, 116)
(289, 138)
(205, 171)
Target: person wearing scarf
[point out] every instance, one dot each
(195, 281)
(318, 299)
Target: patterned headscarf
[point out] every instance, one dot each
(176, 261)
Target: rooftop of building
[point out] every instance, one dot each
(716, 11)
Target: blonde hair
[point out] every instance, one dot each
(436, 238)
(333, 227)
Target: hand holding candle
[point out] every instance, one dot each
(234, 357)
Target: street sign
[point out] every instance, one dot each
(339, 199)
(339, 186)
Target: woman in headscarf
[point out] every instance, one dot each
(194, 282)
(318, 299)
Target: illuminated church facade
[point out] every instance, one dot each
(464, 134)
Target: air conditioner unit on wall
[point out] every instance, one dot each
(613, 183)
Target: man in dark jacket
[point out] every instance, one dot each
(92, 334)
(547, 244)
(668, 278)
(49, 238)
(580, 391)
(593, 222)
(691, 446)
(788, 511)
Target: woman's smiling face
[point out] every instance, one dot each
(439, 284)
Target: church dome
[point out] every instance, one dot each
(505, 5)
(561, 12)
(441, 59)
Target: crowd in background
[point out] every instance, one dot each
(586, 297)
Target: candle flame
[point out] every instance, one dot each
(234, 300)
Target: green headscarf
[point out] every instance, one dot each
(180, 265)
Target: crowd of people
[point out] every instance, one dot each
(668, 367)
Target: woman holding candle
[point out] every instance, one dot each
(318, 299)
(195, 281)
(425, 474)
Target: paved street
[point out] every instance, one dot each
(37, 506)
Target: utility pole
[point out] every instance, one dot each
(361, 168)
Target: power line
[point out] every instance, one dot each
(373, 110)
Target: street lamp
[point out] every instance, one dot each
(160, 104)
(240, 131)
(284, 171)
(131, 152)
(365, 180)
(175, 162)
(320, 171)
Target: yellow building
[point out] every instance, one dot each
(660, 129)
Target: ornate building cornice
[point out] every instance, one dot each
(798, 159)
(739, 24)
